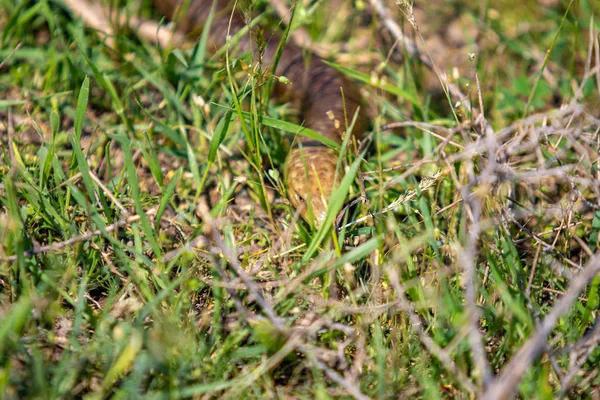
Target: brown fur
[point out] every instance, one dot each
(310, 170)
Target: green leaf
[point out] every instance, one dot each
(107, 85)
(83, 167)
(153, 162)
(130, 169)
(387, 87)
(268, 335)
(293, 128)
(179, 55)
(166, 91)
(200, 54)
(14, 319)
(166, 197)
(336, 202)
(219, 135)
(82, 102)
(522, 85)
(593, 301)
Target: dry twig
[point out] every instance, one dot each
(505, 384)
(57, 246)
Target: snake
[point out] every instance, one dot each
(323, 95)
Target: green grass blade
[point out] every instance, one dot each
(335, 205)
(362, 77)
(82, 102)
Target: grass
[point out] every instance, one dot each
(148, 249)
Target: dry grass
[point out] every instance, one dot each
(149, 251)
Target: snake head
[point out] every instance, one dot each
(311, 178)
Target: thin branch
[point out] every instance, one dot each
(429, 344)
(350, 387)
(580, 352)
(9, 56)
(413, 49)
(506, 382)
(57, 246)
(107, 192)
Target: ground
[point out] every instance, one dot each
(149, 249)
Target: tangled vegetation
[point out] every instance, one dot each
(148, 248)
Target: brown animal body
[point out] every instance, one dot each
(310, 170)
